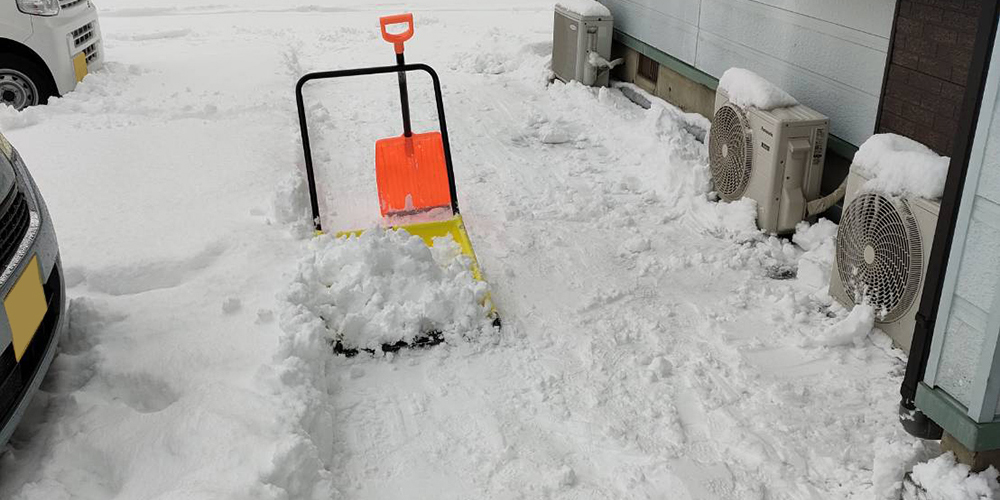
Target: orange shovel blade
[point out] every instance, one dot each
(411, 174)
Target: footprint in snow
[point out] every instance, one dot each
(143, 392)
(139, 277)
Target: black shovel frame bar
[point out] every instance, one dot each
(325, 75)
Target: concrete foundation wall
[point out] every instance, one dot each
(684, 93)
(670, 85)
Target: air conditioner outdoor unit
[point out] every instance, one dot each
(581, 43)
(775, 157)
(883, 245)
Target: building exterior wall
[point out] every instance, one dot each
(829, 55)
(969, 316)
(932, 49)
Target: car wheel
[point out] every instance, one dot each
(22, 82)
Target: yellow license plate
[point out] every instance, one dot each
(25, 306)
(80, 66)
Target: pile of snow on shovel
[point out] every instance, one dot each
(386, 286)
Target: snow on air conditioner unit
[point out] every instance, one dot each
(766, 146)
(581, 43)
(886, 230)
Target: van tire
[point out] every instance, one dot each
(20, 75)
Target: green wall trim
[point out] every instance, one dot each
(837, 145)
(952, 416)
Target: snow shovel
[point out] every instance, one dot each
(413, 172)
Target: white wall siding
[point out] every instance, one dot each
(968, 319)
(829, 55)
(962, 342)
(980, 270)
(831, 51)
(862, 15)
(969, 315)
(975, 260)
(851, 112)
(670, 25)
(989, 180)
(684, 10)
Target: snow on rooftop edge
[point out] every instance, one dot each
(899, 166)
(746, 88)
(584, 7)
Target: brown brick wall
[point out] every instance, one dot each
(931, 53)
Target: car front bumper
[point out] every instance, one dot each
(60, 39)
(23, 366)
(21, 379)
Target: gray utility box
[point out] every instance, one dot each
(575, 37)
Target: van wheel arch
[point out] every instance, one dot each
(47, 87)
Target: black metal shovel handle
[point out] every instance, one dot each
(304, 126)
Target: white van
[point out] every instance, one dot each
(46, 47)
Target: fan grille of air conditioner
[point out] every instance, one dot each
(879, 254)
(730, 152)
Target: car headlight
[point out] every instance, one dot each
(21, 173)
(38, 7)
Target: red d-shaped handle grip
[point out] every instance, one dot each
(398, 38)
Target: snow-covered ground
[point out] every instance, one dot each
(647, 351)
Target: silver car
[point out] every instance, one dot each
(31, 285)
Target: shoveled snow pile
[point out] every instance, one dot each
(899, 166)
(746, 88)
(848, 331)
(665, 114)
(944, 479)
(386, 286)
(892, 461)
(584, 7)
(819, 241)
